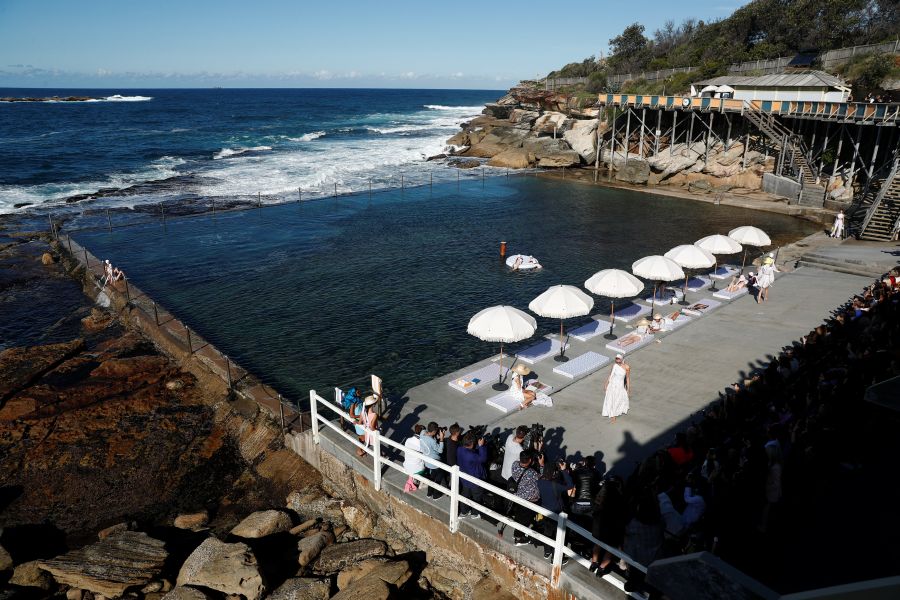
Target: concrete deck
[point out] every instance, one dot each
(673, 378)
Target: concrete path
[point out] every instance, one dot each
(673, 378)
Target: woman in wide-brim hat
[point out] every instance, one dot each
(524, 396)
(765, 278)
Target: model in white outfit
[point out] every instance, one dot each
(618, 385)
(765, 278)
(837, 230)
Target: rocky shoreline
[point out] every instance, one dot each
(125, 474)
(535, 128)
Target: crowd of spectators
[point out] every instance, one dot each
(724, 480)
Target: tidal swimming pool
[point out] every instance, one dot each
(313, 295)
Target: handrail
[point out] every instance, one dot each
(881, 193)
(564, 526)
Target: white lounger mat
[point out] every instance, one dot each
(726, 295)
(581, 365)
(700, 282)
(506, 402)
(487, 374)
(697, 309)
(671, 325)
(631, 312)
(540, 351)
(622, 347)
(664, 297)
(589, 330)
(725, 272)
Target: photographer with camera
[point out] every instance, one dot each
(471, 459)
(432, 442)
(523, 483)
(451, 444)
(554, 486)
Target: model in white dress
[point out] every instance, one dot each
(615, 402)
(764, 279)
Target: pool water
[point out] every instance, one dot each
(323, 293)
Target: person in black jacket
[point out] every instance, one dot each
(610, 516)
(587, 483)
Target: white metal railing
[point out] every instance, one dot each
(563, 524)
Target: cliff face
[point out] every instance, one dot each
(529, 127)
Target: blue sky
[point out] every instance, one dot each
(282, 43)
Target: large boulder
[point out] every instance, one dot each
(552, 121)
(338, 556)
(497, 110)
(112, 565)
(523, 118)
(582, 137)
(379, 584)
(29, 574)
(311, 546)
(514, 158)
(359, 570)
(446, 581)
(498, 140)
(360, 519)
(313, 503)
(262, 523)
(185, 593)
(226, 568)
(562, 159)
(302, 588)
(489, 589)
(634, 171)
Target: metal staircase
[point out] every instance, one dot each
(883, 215)
(793, 152)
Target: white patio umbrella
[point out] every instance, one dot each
(718, 244)
(504, 324)
(689, 256)
(657, 268)
(614, 283)
(562, 302)
(749, 236)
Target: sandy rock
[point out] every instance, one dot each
(360, 569)
(185, 593)
(460, 139)
(29, 574)
(302, 588)
(566, 158)
(19, 366)
(310, 547)
(304, 526)
(464, 163)
(74, 594)
(514, 158)
(379, 583)
(47, 259)
(523, 117)
(549, 152)
(635, 171)
(262, 523)
(582, 137)
(6, 561)
(498, 140)
(338, 556)
(449, 582)
(313, 503)
(366, 589)
(497, 110)
(360, 519)
(193, 521)
(110, 566)
(226, 568)
(112, 529)
(393, 572)
(489, 589)
(552, 121)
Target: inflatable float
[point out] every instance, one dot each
(522, 262)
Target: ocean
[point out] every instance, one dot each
(169, 145)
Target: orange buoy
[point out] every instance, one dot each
(502, 249)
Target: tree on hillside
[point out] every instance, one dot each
(629, 51)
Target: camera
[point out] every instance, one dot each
(535, 437)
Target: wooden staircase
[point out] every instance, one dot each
(885, 211)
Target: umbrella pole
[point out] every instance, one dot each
(684, 301)
(744, 262)
(612, 321)
(713, 287)
(562, 345)
(653, 299)
(500, 386)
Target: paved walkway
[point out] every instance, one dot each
(673, 378)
